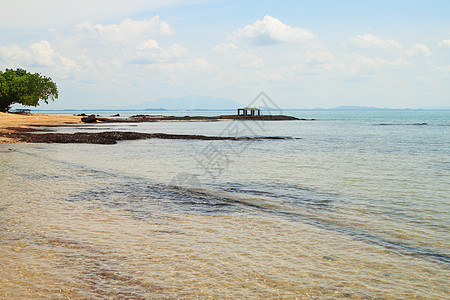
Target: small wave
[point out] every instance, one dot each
(144, 201)
(293, 196)
(402, 124)
(10, 150)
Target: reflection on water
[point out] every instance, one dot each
(89, 221)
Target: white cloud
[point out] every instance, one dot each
(149, 52)
(357, 64)
(270, 30)
(149, 44)
(443, 68)
(316, 63)
(128, 51)
(321, 57)
(105, 51)
(39, 54)
(124, 32)
(184, 74)
(419, 50)
(368, 41)
(96, 52)
(401, 63)
(444, 44)
(14, 55)
(232, 53)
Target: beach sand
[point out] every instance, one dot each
(9, 121)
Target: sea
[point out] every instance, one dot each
(349, 204)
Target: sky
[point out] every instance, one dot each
(301, 53)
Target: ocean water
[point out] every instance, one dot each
(354, 204)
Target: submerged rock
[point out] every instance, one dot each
(89, 119)
(112, 137)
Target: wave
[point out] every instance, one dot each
(144, 201)
(401, 124)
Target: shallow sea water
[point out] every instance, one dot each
(354, 205)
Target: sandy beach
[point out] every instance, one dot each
(10, 121)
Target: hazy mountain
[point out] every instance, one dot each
(188, 102)
(351, 107)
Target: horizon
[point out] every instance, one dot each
(388, 53)
(343, 107)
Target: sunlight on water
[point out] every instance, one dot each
(360, 212)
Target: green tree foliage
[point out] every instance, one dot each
(20, 86)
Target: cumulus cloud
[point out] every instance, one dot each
(444, 44)
(270, 30)
(231, 52)
(123, 32)
(96, 52)
(39, 54)
(106, 49)
(368, 41)
(419, 50)
(15, 55)
(149, 52)
(359, 65)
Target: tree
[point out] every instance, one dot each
(20, 86)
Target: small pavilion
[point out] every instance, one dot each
(249, 111)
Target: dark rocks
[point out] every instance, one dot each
(89, 119)
(140, 116)
(112, 137)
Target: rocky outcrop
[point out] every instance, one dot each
(112, 137)
(150, 118)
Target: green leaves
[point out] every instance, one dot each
(20, 86)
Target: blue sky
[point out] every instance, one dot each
(303, 54)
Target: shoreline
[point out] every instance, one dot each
(11, 123)
(23, 128)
